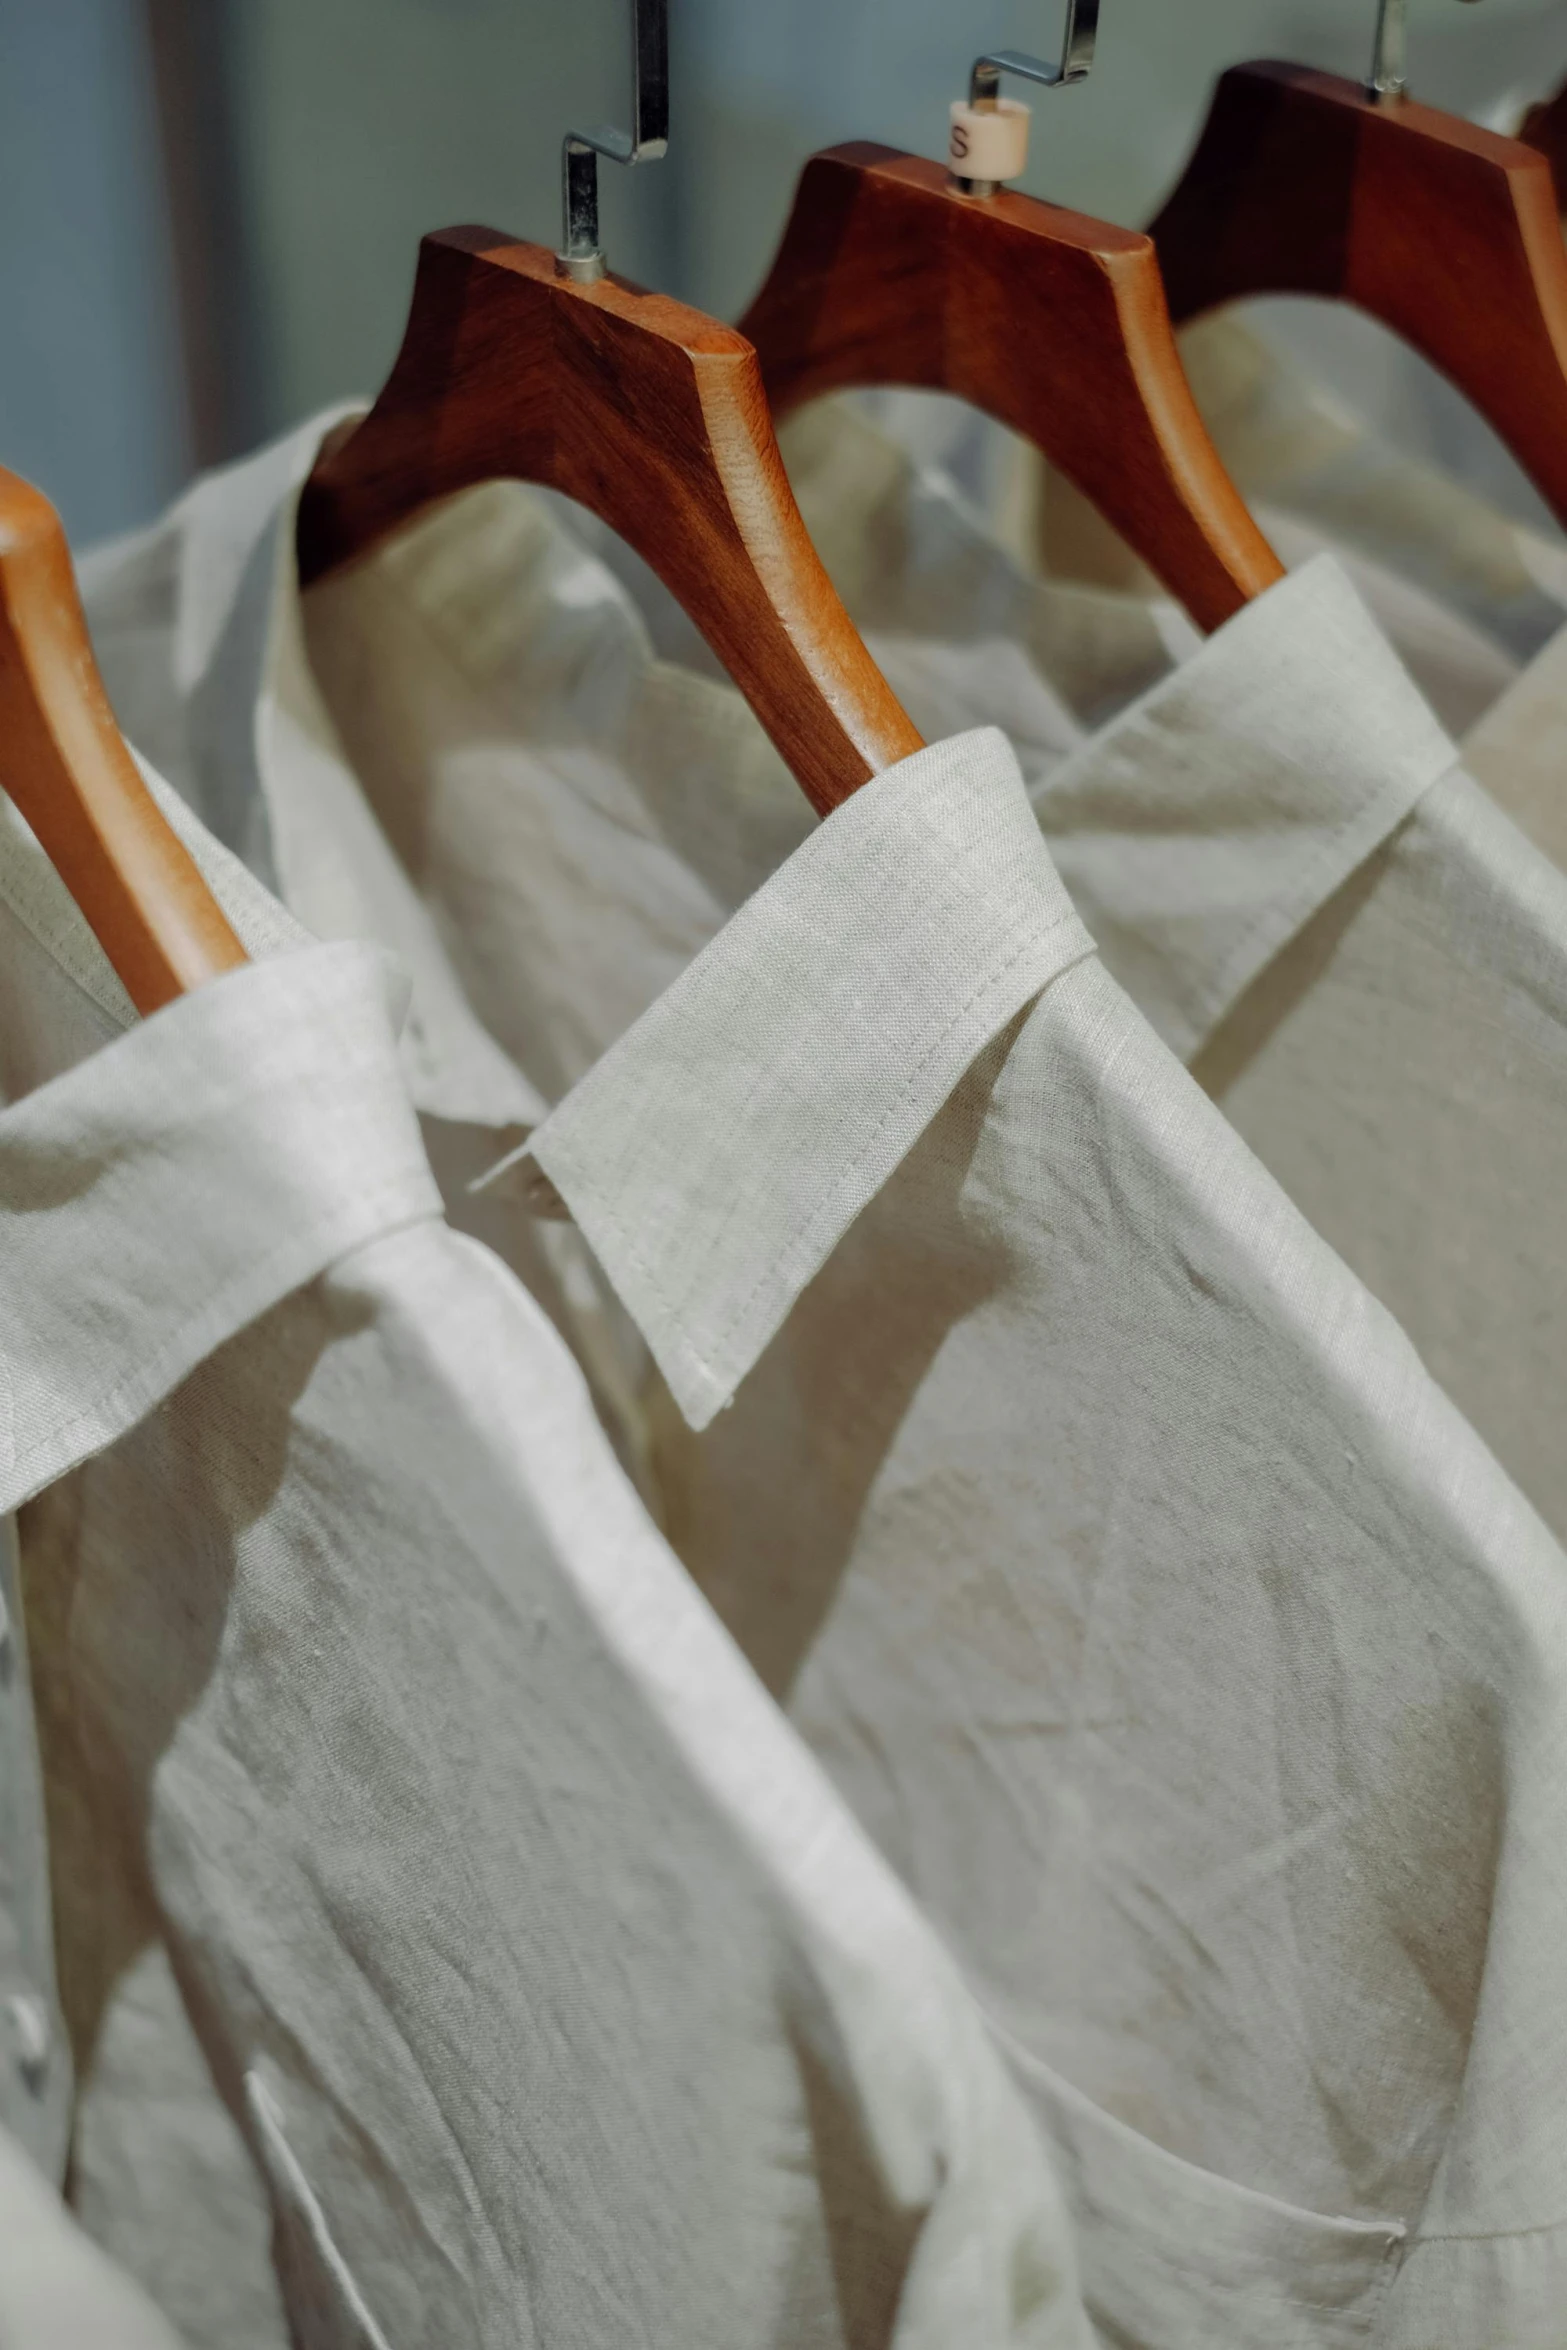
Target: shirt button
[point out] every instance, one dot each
(30, 2035)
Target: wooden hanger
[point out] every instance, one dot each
(64, 763)
(520, 363)
(894, 270)
(1303, 183)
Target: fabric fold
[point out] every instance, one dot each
(1202, 827)
(147, 1211)
(864, 977)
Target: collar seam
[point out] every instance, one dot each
(803, 1235)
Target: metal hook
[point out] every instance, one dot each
(1389, 76)
(1077, 55)
(581, 256)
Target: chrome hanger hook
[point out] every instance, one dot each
(1389, 76)
(1077, 55)
(984, 98)
(581, 256)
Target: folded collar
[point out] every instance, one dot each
(161, 1194)
(1200, 829)
(718, 1152)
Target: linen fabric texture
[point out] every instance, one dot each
(1191, 1656)
(556, 1995)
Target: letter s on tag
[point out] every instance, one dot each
(959, 148)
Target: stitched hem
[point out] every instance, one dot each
(803, 1239)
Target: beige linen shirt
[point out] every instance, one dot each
(1280, 858)
(1197, 1665)
(1270, 844)
(1181, 1643)
(556, 1994)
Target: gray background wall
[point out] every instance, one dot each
(210, 207)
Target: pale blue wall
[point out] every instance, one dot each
(90, 397)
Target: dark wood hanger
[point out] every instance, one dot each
(1303, 183)
(655, 417)
(64, 763)
(1052, 323)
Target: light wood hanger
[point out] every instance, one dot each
(64, 763)
(1303, 183)
(521, 363)
(894, 271)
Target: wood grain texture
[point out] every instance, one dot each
(1447, 234)
(655, 417)
(64, 763)
(1052, 323)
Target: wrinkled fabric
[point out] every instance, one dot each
(1267, 841)
(1185, 1649)
(1453, 581)
(1365, 962)
(556, 1996)
(1278, 858)
(971, 622)
(1174, 1634)
(157, 2172)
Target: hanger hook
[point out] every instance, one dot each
(1077, 55)
(581, 256)
(1389, 76)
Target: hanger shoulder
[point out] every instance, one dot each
(64, 764)
(655, 417)
(1446, 233)
(1052, 323)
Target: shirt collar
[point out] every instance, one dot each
(1199, 830)
(718, 1152)
(164, 1192)
(267, 768)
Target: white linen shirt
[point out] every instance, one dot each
(1280, 858)
(1080, 1469)
(1176, 1637)
(557, 1995)
(1270, 843)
